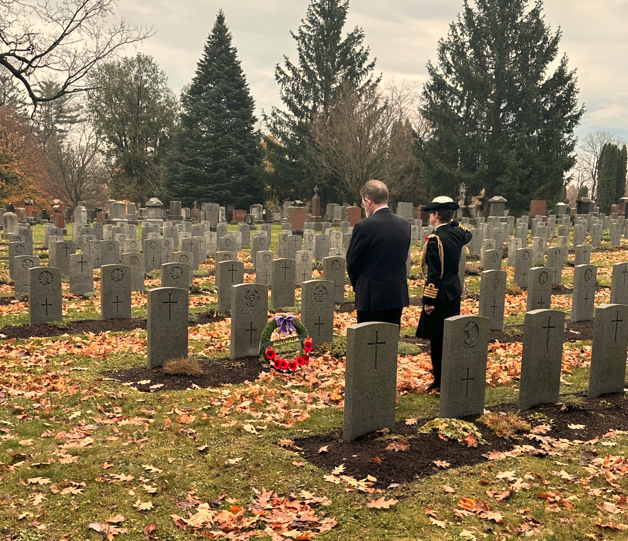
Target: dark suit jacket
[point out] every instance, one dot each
(376, 261)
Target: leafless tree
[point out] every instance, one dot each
(76, 169)
(60, 39)
(368, 136)
(585, 171)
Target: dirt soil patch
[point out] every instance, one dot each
(361, 458)
(92, 326)
(215, 373)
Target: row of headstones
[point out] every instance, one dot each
(371, 370)
(281, 275)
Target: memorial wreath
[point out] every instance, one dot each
(295, 335)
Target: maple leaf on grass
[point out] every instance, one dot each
(399, 445)
(109, 531)
(381, 503)
(338, 469)
(411, 422)
(143, 506)
(440, 523)
(441, 463)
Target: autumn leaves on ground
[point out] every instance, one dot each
(83, 456)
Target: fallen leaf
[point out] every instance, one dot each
(143, 506)
(412, 421)
(448, 489)
(399, 445)
(376, 460)
(381, 503)
(118, 519)
(107, 465)
(232, 461)
(338, 469)
(576, 427)
(442, 463)
(283, 442)
(324, 449)
(440, 523)
(39, 481)
(151, 469)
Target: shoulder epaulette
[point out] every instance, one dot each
(463, 227)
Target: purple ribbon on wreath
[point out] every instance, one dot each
(285, 324)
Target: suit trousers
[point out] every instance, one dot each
(392, 315)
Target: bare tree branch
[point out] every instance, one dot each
(588, 157)
(63, 39)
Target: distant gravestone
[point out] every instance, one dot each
(308, 241)
(303, 266)
(370, 379)
(492, 297)
(249, 315)
(317, 310)
(487, 246)
(321, 247)
(186, 259)
(543, 335)
(109, 252)
(555, 262)
(167, 250)
(222, 229)
(293, 244)
(62, 252)
(619, 284)
(115, 299)
(579, 234)
(132, 246)
(492, 260)
(227, 243)
(81, 274)
(94, 249)
(462, 265)
(16, 249)
(539, 289)
(463, 379)
(167, 325)
(583, 301)
(513, 246)
(583, 255)
(264, 267)
(225, 256)
(22, 265)
(152, 254)
(608, 358)
(176, 275)
(282, 283)
(539, 247)
(191, 245)
(228, 274)
(334, 270)
(136, 262)
(45, 302)
(260, 243)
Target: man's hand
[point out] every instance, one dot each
(428, 309)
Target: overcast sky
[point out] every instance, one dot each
(402, 36)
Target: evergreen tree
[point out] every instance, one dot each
(608, 166)
(216, 154)
(327, 61)
(621, 173)
(501, 121)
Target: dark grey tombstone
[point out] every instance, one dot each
(543, 335)
(136, 262)
(152, 254)
(463, 379)
(22, 265)
(317, 310)
(167, 325)
(228, 274)
(304, 266)
(115, 294)
(492, 297)
(583, 255)
(249, 315)
(619, 284)
(176, 275)
(81, 274)
(109, 253)
(539, 289)
(282, 283)
(264, 267)
(583, 299)
(608, 358)
(45, 302)
(370, 379)
(334, 269)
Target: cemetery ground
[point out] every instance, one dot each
(93, 445)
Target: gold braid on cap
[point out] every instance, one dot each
(441, 253)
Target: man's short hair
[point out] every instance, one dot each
(376, 191)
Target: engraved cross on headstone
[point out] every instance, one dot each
(376, 343)
(250, 330)
(549, 327)
(586, 299)
(82, 264)
(467, 379)
(46, 304)
(541, 303)
(67, 249)
(318, 325)
(285, 269)
(232, 270)
(494, 306)
(117, 302)
(616, 321)
(170, 302)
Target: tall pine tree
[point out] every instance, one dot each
(621, 173)
(608, 169)
(502, 107)
(216, 154)
(327, 61)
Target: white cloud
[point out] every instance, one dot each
(402, 35)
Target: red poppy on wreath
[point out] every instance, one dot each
(306, 359)
(307, 345)
(300, 361)
(270, 353)
(284, 364)
(277, 364)
(293, 365)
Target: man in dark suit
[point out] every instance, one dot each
(376, 258)
(442, 292)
